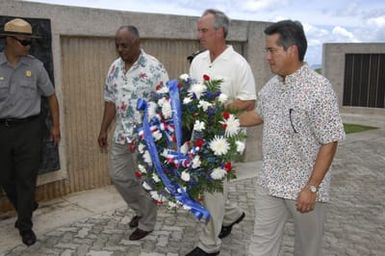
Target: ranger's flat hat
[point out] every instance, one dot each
(17, 27)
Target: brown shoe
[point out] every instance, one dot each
(134, 221)
(138, 234)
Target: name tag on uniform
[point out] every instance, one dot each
(28, 73)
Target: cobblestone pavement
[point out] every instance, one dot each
(355, 225)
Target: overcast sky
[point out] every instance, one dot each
(323, 20)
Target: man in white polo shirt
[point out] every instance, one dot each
(220, 61)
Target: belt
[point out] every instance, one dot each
(15, 121)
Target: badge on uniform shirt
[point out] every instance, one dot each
(28, 73)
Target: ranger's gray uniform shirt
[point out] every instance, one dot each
(21, 88)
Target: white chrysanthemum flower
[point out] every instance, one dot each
(184, 148)
(151, 110)
(181, 190)
(196, 162)
(218, 174)
(146, 186)
(155, 178)
(147, 158)
(166, 109)
(157, 135)
(219, 146)
(240, 146)
(184, 77)
(164, 89)
(187, 100)
(185, 176)
(138, 116)
(157, 197)
(197, 89)
(223, 98)
(164, 153)
(172, 205)
(141, 148)
(204, 105)
(142, 169)
(161, 101)
(232, 126)
(199, 126)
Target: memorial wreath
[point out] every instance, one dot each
(187, 143)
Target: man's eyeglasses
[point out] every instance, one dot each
(24, 42)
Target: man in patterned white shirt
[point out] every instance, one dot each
(302, 127)
(133, 75)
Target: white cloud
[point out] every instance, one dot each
(378, 22)
(351, 9)
(258, 5)
(278, 18)
(314, 31)
(314, 42)
(343, 34)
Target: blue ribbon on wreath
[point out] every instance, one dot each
(173, 188)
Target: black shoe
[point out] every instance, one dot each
(199, 252)
(225, 231)
(134, 221)
(28, 237)
(35, 206)
(138, 234)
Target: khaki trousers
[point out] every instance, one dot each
(223, 212)
(271, 215)
(122, 171)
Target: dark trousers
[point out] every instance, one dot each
(20, 153)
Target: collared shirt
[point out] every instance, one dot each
(21, 87)
(125, 88)
(300, 114)
(238, 80)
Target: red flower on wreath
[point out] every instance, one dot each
(226, 115)
(228, 166)
(206, 77)
(199, 142)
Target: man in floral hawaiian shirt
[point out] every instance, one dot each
(302, 127)
(133, 75)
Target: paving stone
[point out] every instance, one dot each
(99, 253)
(68, 252)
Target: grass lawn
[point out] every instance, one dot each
(352, 128)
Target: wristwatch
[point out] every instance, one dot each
(313, 189)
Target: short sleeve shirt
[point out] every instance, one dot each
(232, 68)
(125, 88)
(21, 88)
(300, 114)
